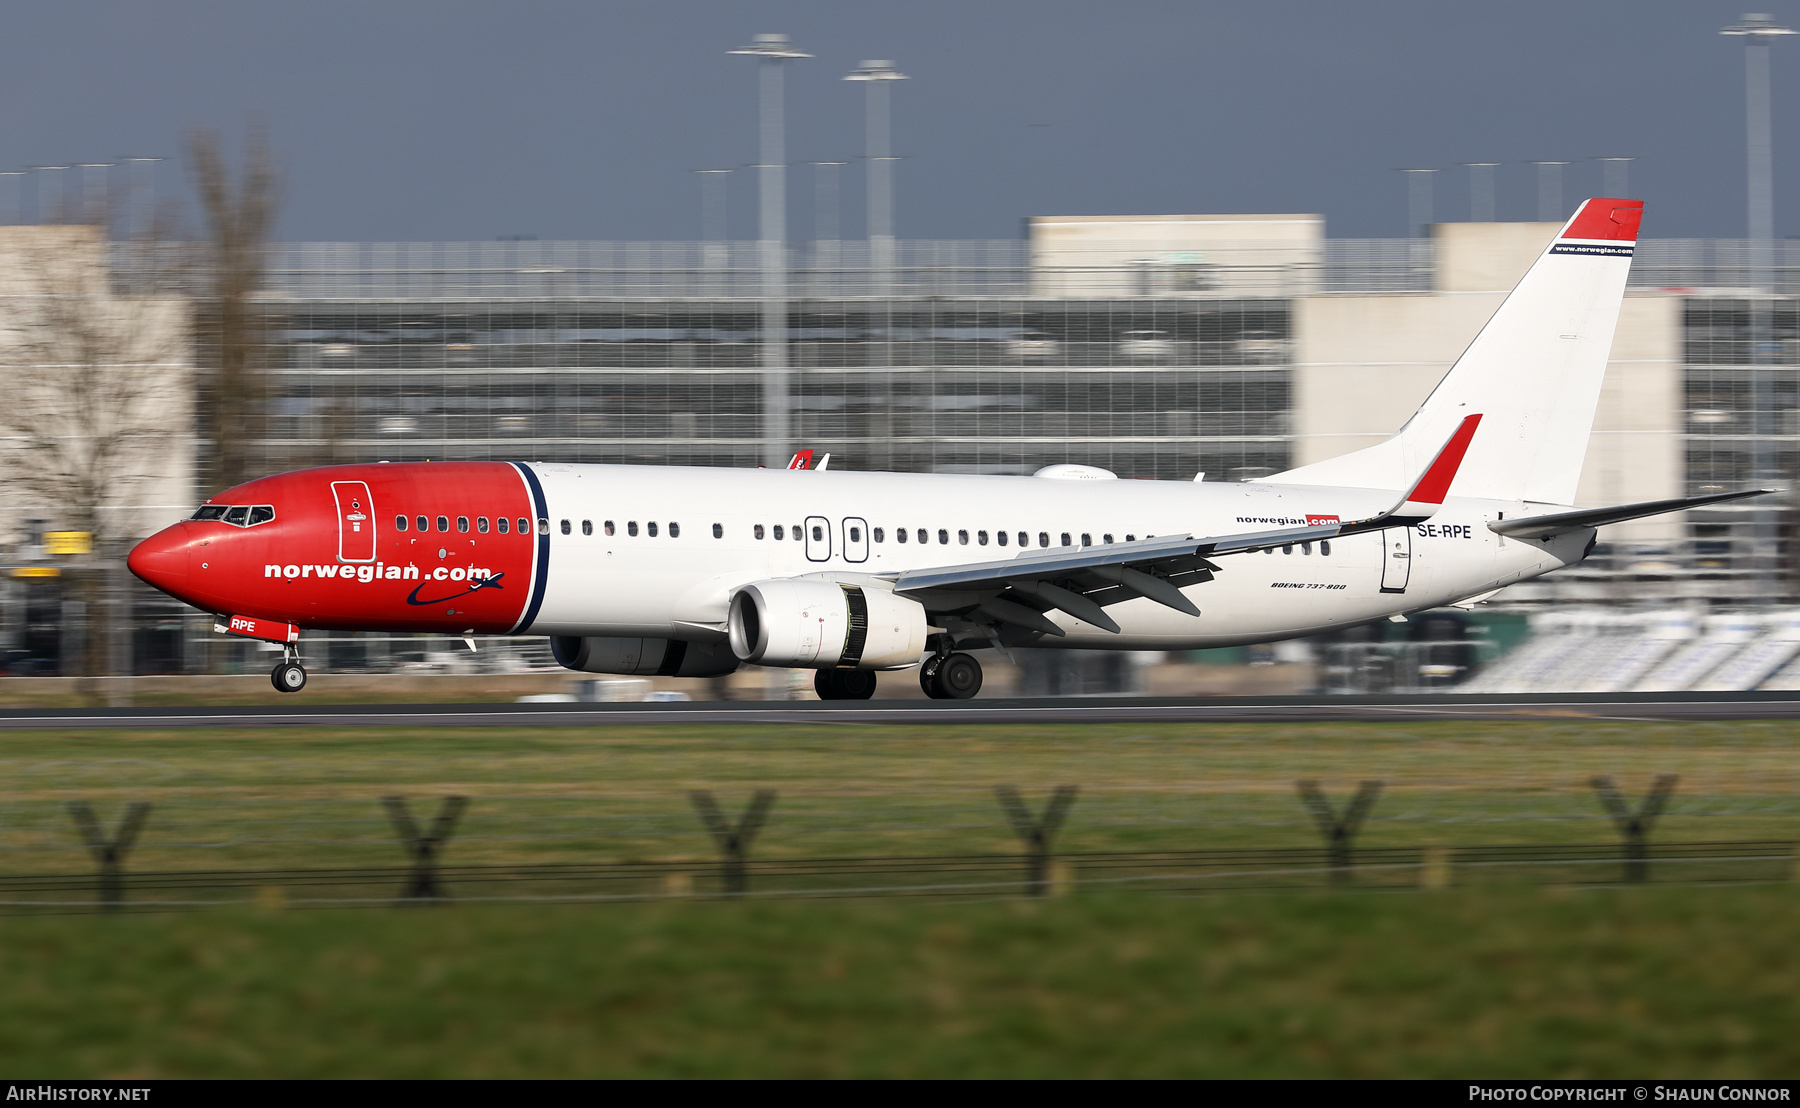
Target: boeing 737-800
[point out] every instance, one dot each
(693, 572)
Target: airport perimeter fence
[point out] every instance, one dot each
(59, 854)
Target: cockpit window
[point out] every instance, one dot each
(239, 515)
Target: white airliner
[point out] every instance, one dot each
(692, 572)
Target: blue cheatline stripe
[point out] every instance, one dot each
(542, 576)
(1592, 249)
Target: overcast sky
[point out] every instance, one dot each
(450, 119)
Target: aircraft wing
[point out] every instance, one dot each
(1559, 522)
(1082, 581)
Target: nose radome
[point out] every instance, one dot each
(162, 560)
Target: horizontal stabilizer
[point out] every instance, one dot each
(1561, 522)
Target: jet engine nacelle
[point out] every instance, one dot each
(811, 624)
(645, 657)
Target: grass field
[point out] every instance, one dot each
(1495, 979)
(1650, 982)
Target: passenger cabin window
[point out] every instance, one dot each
(818, 533)
(1325, 548)
(900, 534)
(500, 525)
(543, 525)
(778, 532)
(856, 534)
(565, 527)
(1106, 538)
(237, 516)
(631, 528)
(675, 530)
(481, 524)
(1087, 539)
(607, 526)
(587, 526)
(943, 537)
(757, 531)
(211, 511)
(1065, 539)
(1024, 539)
(981, 538)
(650, 528)
(424, 524)
(443, 523)
(399, 523)
(1001, 537)
(718, 530)
(1043, 538)
(879, 535)
(962, 538)
(797, 532)
(923, 537)
(462, 525)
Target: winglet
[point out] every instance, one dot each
(1428, 493)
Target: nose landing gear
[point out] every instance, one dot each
(289, 675)
(950, 677)
(844, 684)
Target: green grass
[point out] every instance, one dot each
(310, 797)
(1488, 979)
(1669, 982)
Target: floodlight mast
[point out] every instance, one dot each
(1758, 31)
(1550, 190)
(771, 52)
(876, 76)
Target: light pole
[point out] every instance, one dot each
(52, 194)
(1758, 31)
(1418, 215)
(1550, 202)
(772, 52)
(17, 207)
(876, 76)
(1481, 191)
(1615, 176)
(94, 193)
(143, 210)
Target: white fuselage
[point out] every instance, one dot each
(849, 526)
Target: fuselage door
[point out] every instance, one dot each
(856, 540)
(356, 521)
(818, 539)
(1396, 558)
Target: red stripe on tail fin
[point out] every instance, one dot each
(1435, 485)
(1606, 220)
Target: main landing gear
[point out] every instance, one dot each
(950, 677)
(844, 684)
(289, 675)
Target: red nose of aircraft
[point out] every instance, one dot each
(162, 560)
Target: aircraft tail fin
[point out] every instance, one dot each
(1533, 374)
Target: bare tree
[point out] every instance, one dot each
(97, 401)
(231, 332)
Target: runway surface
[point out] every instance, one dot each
(1646, 707)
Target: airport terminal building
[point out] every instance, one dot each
(1157, 347)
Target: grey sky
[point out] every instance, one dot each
(458, 120)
